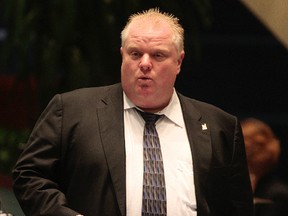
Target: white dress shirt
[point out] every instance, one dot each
(177, 159)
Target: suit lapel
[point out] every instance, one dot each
(110, 115)
(198, 133)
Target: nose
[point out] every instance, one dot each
(145, 63)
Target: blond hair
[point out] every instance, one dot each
(155, 15)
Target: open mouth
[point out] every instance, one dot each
(144, 78)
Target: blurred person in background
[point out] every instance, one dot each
(263, 151)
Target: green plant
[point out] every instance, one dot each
(11, 143)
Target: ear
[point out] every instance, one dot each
(179, 61)
(121, 51)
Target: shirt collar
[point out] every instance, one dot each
(172, 111)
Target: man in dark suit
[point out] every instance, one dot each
(85, 154)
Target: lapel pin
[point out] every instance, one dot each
(204, 126)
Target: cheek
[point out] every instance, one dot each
(169, 74)
(166, 81)
(129, 65)
(125, 67)
(127, 74)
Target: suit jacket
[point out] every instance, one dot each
(74, 161)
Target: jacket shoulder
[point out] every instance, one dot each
(203, 108)
(92, 91)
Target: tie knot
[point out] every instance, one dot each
(149, 118)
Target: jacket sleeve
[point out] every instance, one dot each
(229, 187)
(36, 175)
(241, 192)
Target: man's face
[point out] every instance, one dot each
(150, 64)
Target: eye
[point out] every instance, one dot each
(159, 56)
(135, 55)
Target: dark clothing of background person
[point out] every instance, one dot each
(271, 197)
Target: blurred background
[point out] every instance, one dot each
(236, 58)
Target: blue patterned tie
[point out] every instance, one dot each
(154, 192)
